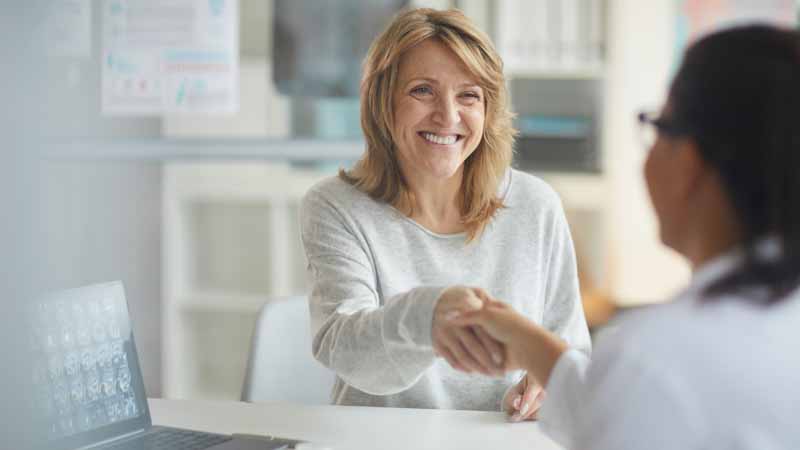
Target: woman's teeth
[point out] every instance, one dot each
(443, 140)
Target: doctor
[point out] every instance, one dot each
(719, 366)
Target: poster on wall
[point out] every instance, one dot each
(170, 56)
(699, 17)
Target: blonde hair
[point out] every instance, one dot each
(378, 173)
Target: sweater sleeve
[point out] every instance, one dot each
(563, 311)
(380, 349)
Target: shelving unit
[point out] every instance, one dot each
(294, 150)
(231, 243)
(559, 101)
(590, 73)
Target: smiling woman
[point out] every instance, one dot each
(439, 117)
(431, 222)
(435, 69)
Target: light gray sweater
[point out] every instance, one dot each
(377, 275)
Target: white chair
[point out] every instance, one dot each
(281, 366)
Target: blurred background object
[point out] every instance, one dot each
(186, 185)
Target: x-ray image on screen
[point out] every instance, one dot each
(82, 367)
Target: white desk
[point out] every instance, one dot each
(355, 428)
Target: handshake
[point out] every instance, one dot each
(474, 332)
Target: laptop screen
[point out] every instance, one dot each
(85, 367)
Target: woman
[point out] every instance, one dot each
(719, 366)
(433, 207)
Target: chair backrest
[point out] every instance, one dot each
(281, 366)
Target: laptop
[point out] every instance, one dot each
(88, 383)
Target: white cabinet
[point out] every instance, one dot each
(231, 241)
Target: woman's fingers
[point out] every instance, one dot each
(450, 358)
(533, 410)
(473, 349)
(494, 348)
(537, 404)
(483, 295)
(463, 319)
(528, 406)
(513, 397)
(469, 323)
(477, 350)
(452, 342)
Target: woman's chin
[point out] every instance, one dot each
(445, 172)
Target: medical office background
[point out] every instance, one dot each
(185, 133)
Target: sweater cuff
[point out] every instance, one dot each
(416, 325)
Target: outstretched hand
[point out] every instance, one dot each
(527, 345)
(503, 324)
(466, 348)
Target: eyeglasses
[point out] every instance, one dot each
(651, 125)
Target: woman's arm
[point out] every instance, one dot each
(380, 349)
(563, 311)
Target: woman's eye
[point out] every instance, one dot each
(421, 90)
(472, 95)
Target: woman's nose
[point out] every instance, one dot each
(447, 112)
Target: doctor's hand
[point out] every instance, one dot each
(527, 345)
(522, 402)
(466, 348)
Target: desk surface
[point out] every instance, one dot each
(355, 428)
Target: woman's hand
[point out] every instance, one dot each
(466, 348)
(527, 345)
(523, 401)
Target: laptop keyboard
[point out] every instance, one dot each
(171, 439)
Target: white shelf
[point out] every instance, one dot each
(231, 243)
(292, 150)
(220, 302)
(589, 73)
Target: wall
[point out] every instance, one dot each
(640, 63)
(102, 219)
(102, 222)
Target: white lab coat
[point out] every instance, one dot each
(684, 375)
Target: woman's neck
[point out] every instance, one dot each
(716, 235)
(704, 251)
(713, 228)
(437, 203)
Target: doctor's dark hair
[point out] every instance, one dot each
(737, 94)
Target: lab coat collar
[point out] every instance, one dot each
(721, 265)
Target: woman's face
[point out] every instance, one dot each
(439, 113)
